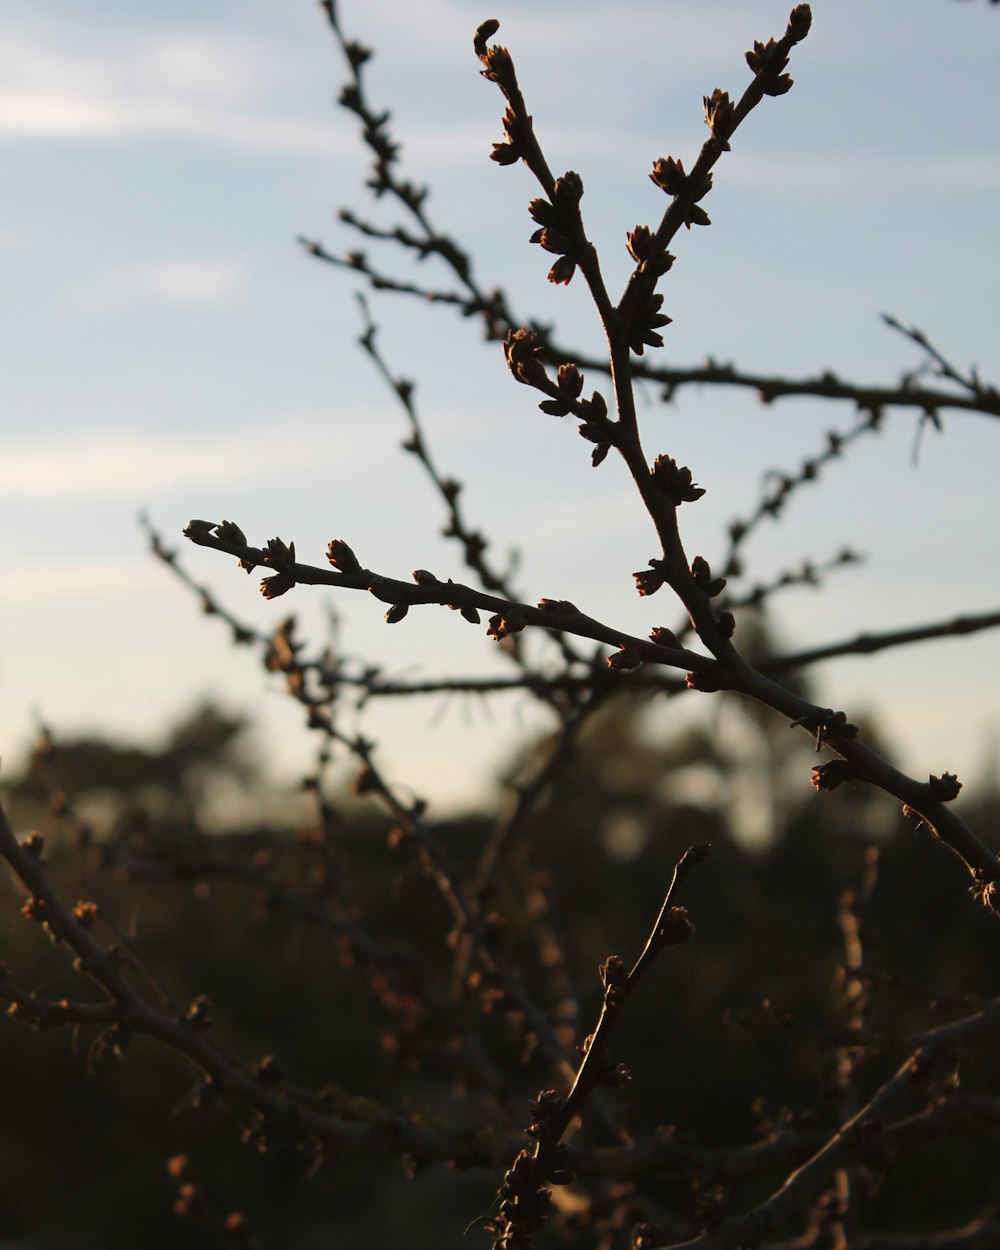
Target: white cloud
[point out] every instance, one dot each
(198, 87)
(42, 115)
(90, 466)
(183, 282)
(52, 115)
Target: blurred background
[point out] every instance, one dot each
(169, 348)
(86, 1134)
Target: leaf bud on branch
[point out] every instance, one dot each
(342, 557)
(648, 581)
(944, 788)
(675, 481)
(521, 349)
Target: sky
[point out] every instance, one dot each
(168, 348)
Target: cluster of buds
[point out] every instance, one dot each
(614, 979)
(624, 660)
(524, 1202)
(227, 532)
(340, 555)
(280, 556)
(768, 60)
(640, 306)
(701, 572)
(560, 227)
(515, 145)
(569, 381)
(720, 116)
(668, 174)
(675, 481)
(230, 532)
(498, 66)
(648, 581)
(677, 927)
(503, 624)
(644, 250)
(596, 427)
(521, 349)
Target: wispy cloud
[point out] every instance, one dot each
(178, 85)
(185, 282)
(43, 115)
(58, 115)
(143, 466)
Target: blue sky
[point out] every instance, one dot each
(167, 347)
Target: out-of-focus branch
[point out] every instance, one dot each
(473, 542)
(827, 385)
(384, 180)
(907, 394)
(870, 643)
(920, 1078)
(524, 1198)
(259, 1086)
(942, 367)
(928, 801)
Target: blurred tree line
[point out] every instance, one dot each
(83, 1167)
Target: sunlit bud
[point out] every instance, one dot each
(668, 174)
(342, 557)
